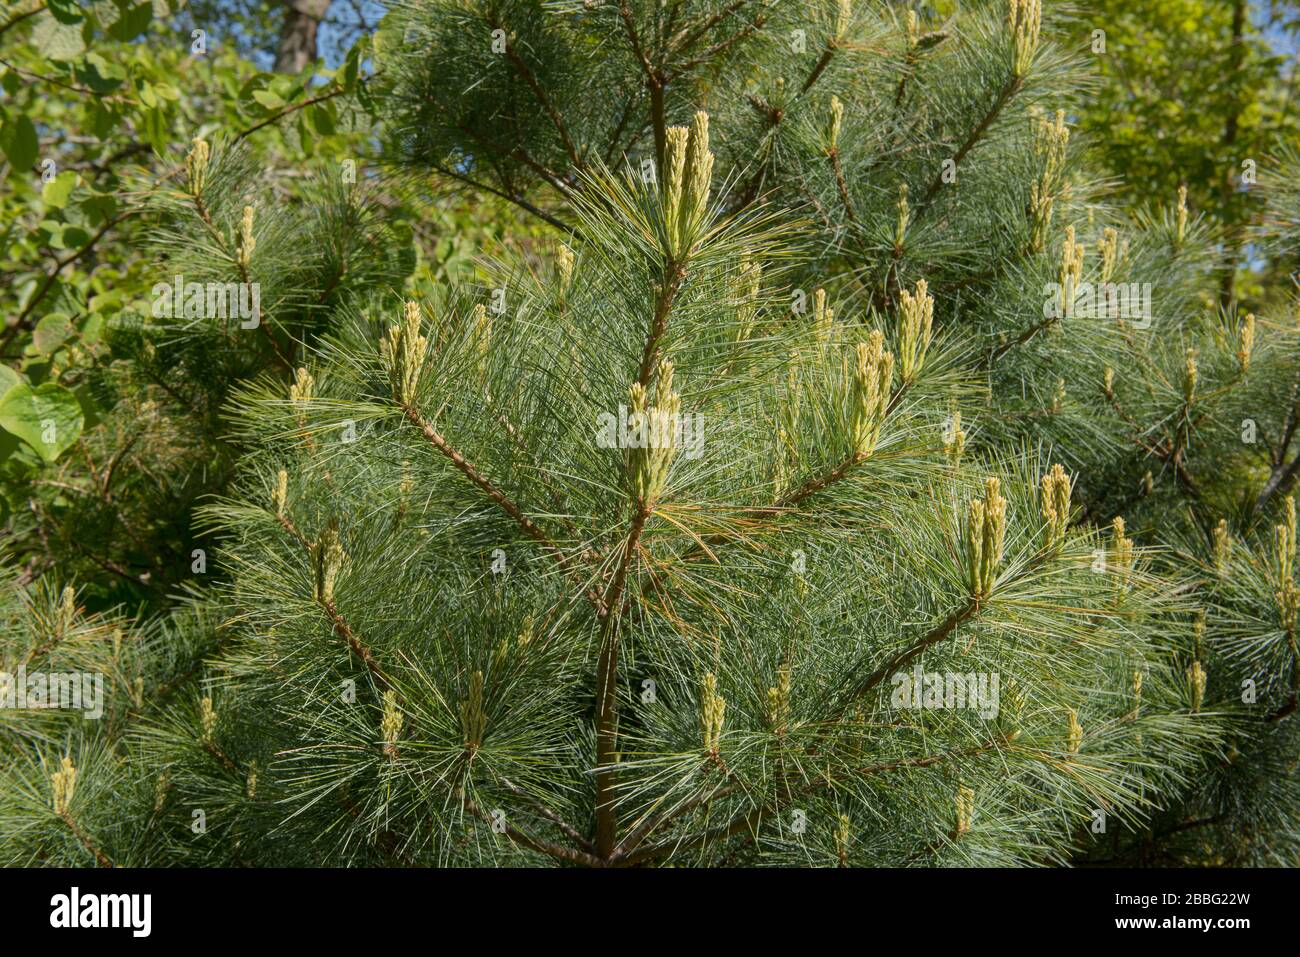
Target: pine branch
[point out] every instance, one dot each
(101, 859)
(718, 49)
(206, 216)
(502, 501)
(606, 693)
(775, 117)
(1029, 333)
(1009, 89)
(512, 197)
(358, 647)
(822, 63)
(654, 83)
(544, 101)
(1283, 474)
(820, 482)
(525, 840)
(689, 35)
(964, 612)
(569, 830)
(223, 759)
(674, 275)
(842, 185)
(749, 823)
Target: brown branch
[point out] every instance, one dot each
(569, 831)
(55, 81)
(59, 265)
(522, 68)
(715, 51)
(1019, 340)
(653, 824)
(511, 197)
(675, 273)
(224, 759)
(20, 17)
(688, 35)
(903, 658)
(822, 63)
(1286, 710)
(750, 822)
(796, 497)
(340, 625)
(775, 117)
(610, 608)
(654, 84)
(492, 148)
(101, 859)
(884, 295)
(292, 108)
(606, 692)
(841, 184)
(358, 647)
(815, 485)
(1283, 475)
(466, 468)
(1009, 89)
(523, 839)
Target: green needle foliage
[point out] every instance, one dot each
(812, 497)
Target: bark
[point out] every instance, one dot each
(1228, 287)
(297, 47)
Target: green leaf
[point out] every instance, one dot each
(350, 69)
(268, 99)
(93, 330)
(155, 131)
(51, 332)
(99, 207)
(18, 140)
(306, 138)
(98, 74)
(366, 98)
(104, 119)
(90, 407)
(322, 119)
(58, 41)
(48, 418)
(55, 193)
(74, 237)
(53, 233)
(8, 379)
(133, 22)
(65, 11)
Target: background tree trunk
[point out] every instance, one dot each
(1232, 244)
(298, 35)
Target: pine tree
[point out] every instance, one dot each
(691, 538)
